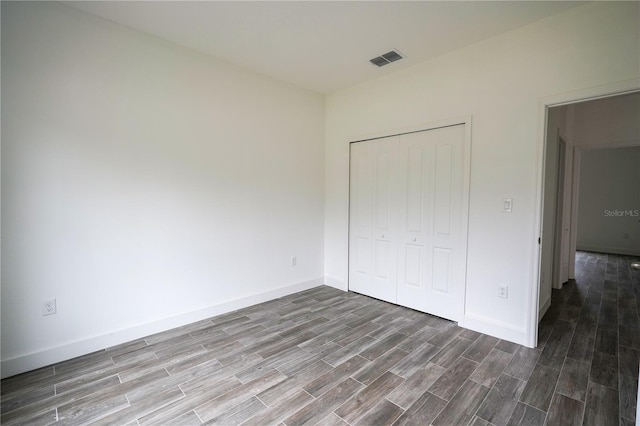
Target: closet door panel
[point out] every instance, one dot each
(373, 246)
(361, 186)
(413, 182)
(440, 288)
(405, 242)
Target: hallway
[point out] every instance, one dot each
(590, 343)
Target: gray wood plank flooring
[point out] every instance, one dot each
(327, 357)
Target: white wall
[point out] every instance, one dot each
(609, 121)
(501, 82)
(609, 201)
(144, 186)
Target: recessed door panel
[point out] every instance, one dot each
(382, 190)
(443, 186)
(361, 187)
(441, 266)
(382, 260)
(414, 192)
(413, 265)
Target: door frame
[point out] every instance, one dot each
(558, 229)
(465, 120)
(614, 89)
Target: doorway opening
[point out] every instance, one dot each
(589, 190)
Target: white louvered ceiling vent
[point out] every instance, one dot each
(385, 59)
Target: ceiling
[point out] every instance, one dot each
(323, 46)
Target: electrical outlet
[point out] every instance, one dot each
(503, 291)
(294, 261)
(49, 307)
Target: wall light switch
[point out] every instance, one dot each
(507, 205)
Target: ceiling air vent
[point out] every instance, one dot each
(385, 59)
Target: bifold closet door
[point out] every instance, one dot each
(373, 218)
(431, 271)
(405, 222)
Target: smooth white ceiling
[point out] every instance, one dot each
(322, 45)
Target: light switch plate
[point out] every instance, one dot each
(507, 205)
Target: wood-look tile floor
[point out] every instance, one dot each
(332, 358)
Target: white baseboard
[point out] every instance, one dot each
(32, 361)
(499, 329)
(610, 250)
(335, 283)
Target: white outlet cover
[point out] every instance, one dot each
(503, 291)
(49, 307)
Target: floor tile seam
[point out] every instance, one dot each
(620, 389)
(175, 378)
(125, 363)
(553, 393)
(627, 418)
(203, 337)
(344, 420)
(479, 362)
(535, 408)
(67, 375)
(54, 398)
(555, 389)
(518, 378)
(162, 366)
(92, 356)
(205, 402)
(18, 385)
(493, 424)
(194, 412)
(553, 367)
(421, 405)
(604, 386)
(363, 384)
(101, 416)
(488, 422)
(458, 391)
(355, 421)
(485, 396)
(313, 399)
(18, 420)
(194, 342)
